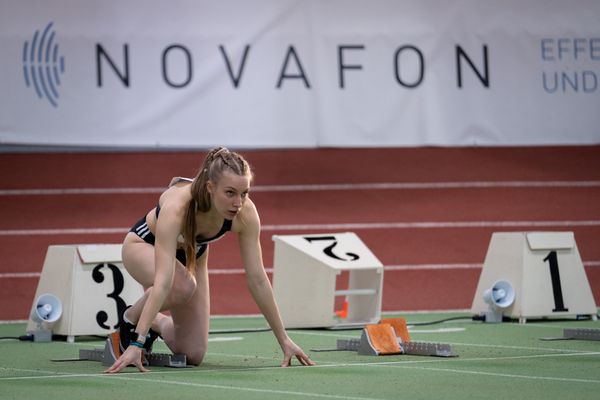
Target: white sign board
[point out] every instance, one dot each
(305, 272)
(290, 73)
(92, 285)
(545, 270)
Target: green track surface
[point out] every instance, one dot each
(507, 361)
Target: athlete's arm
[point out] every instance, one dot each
(167, 231)
(258, 282)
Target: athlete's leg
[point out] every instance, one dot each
(186, 331)
(138, 259)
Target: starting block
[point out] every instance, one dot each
(582, 334)
(107, 357)
(577, 334)
(391, 337)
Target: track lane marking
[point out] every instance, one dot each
(241, 271)
(317, 187)
(395, 364)
(341, 226)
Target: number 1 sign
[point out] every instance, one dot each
(305, 273)
(92, 285)
(545, 270)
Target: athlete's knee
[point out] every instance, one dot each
(183, 290)
(196, 356)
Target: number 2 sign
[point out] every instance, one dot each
(329, 250)
(305, 269)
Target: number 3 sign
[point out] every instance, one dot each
(545, 270)
(92, 285)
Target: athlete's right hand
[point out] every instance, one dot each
(131, 356)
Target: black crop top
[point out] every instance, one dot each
(226, 227)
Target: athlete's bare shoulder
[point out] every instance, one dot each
(175, 200)
(247, 219)
(178, 180)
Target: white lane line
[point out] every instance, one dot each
(410, 364)
(225, 339)
(139, 378)
(313, 227)
(317, 187)
(430, 360)
(63, 231)
(20, 275)
(426, 185)
(423, 267)
(49, 375)
(432, 225)
(245, 389)
(241, 271)
(75, 191)
(439, 330)
(513, 376)
(338, 334)
(529, 348)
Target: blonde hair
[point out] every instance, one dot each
(215, 163)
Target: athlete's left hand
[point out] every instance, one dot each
(292, 349)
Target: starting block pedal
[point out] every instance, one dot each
(379, 339)
(391, 337)
(107, 357)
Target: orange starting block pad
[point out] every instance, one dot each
(108, 356)
(391, 337)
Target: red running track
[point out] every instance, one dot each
(429, 222)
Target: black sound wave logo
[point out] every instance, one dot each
(43, 66)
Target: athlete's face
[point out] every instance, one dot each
(229, 193)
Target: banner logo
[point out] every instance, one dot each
(43, 66)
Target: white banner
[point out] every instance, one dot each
(299, 73)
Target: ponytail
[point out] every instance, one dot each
(215, 162)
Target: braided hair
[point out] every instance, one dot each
(215, 163)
